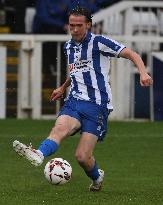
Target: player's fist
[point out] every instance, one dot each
(145, 80)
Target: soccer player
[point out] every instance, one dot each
(89, 101)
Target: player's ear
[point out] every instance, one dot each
(89, 25)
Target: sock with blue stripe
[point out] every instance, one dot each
(93, 173)
(48, 147)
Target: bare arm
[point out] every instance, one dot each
(145, 79)
(58, 93)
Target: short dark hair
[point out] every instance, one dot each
(80, 11)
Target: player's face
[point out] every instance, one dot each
(78, 27)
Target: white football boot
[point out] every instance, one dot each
(28, 152)
(97, 184)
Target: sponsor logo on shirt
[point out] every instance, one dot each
(78, 65)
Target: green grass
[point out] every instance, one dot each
(131, 155)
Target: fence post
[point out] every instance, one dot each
(36, 80)
(2, 82)
(24, 101)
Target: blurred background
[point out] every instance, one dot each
(32, 62)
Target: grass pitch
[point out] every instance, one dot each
(131, 155)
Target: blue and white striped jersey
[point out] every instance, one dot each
(89, 64)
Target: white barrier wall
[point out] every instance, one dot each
(30, 76)
(2, 82)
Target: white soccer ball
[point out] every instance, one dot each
(58, 171)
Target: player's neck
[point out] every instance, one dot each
(84, 36)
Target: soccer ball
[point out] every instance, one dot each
(58, 171)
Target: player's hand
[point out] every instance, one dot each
(57, 94)
(145, 80)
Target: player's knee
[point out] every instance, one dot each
(81, 158)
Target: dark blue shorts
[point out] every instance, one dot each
(93, 117)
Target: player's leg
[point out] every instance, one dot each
(64, 126)
(94, 126)
(84, 156)
(84, 150)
